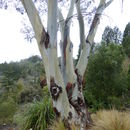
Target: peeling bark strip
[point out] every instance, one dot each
(69, 89)
(78, 105)
(54, 89)
(45, 38)
(66, 34)
(79, 80)
(58, 114)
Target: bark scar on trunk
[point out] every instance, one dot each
(54, 89)
(58, 114)
(69, 89)
(79, 80)
(70, 116)
(43, 83)
(45, 38)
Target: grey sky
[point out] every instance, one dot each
(13, 47)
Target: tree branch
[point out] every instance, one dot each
(83, 60)
(52, 21)
(34, 18)
(81, 24)
(70, 13)
(40, 33)
(61, 23)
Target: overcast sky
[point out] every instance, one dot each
(13, 47)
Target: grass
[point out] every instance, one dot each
(111, 120)
(59, 125)
(40, 115)
(36, 116)
(103, 120)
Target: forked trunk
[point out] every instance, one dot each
(65, 82)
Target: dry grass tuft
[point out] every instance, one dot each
(59, 125)
(103, 120)
(111, 120)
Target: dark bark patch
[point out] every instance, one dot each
(45, 38)
(71, 46)
(78, 105)
(94, 23)
(43, 83)
(87, 41)
(79, 80)
(70, 115)
(58, 114)
(76, 1)
(75, 105)
(54, 89)
(81, 102)
(67, 124)
(69, 89)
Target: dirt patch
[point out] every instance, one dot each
(8, 127)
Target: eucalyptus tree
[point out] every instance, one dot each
(65, 81)
(112, 35)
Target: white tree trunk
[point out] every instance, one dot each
(65, 83)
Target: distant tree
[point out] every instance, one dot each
(112, 35)
(126, 40)
(104, 73)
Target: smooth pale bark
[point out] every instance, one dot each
(49, 52)
(65, 83)
(39, 30)
(61, 104)
(85, 52)
(71, 78)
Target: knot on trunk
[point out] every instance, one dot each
(54, 89)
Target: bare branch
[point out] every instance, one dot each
(83, 60)
(96, 20)
(52, 21)
(108, 3)
(71, 9)
(40, 33)
(61, 23)
(34, 18)
(81, 24)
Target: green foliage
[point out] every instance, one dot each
(112, 35)
(40, 115)
(126, 40)
(7, 110)
(104, 77)
(19, 84)
(29, 94)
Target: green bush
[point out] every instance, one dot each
(39, 116)
(106, 83)
(7, 110)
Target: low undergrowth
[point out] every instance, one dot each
(38, 116)
(103, 120)
(111, 120)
